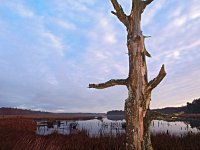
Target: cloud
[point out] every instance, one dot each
(177, 91)
(49, 57)
(152, 11)
(19, 8)
(175, 43)
(64, 24)
(194, 11)
(53, 40)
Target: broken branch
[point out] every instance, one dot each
(147, 36)
(146, 52)
(153, 83)
(109, 83)
(145, 3)
(119, 12)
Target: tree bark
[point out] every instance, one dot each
(139, 89)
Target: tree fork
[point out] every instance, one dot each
(137, 111)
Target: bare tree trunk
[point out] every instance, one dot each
(147, 134)
(139, 89)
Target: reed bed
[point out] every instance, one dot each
(19, 134)
(46, 117)
(170, 142)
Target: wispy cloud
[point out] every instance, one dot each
(19, 8)
(64, 24)
(152, 11)
(49, 56)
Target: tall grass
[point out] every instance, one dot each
(19, 134)
(78, 141)
(170, 142)
(12, 130)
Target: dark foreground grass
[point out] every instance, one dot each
(168, 142)
(15, 136)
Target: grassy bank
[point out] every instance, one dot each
(19, 134)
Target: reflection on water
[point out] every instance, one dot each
(94, 127)
(176, 128)
(104, 126)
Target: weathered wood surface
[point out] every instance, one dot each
(137, 104)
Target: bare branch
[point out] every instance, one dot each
(133, 5)
(145, 3)
(109, 83)
(147, 36)
(146, 52)
(153, 83)
(119, 12)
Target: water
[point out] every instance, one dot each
(104, 126)
(174, 128)
(94, 127)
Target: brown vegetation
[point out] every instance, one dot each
(47, 117)
(12, 130)
(17, 124)
(19, 134)
(169, 142)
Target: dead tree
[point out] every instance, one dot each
(139, 88)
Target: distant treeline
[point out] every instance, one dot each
(115, 112)
(190, 108)
(17, 111)
(193, 107)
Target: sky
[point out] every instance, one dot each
(50, 50)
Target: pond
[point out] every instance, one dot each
(98, 127)
(179, 128)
